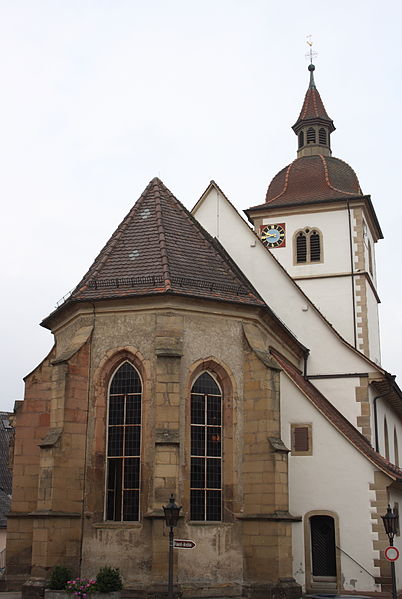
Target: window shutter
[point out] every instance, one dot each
(300, 440)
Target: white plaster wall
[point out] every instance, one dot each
(327, 352)
(334, 298)
(374, 327)
(393, 423)
(340, 392)
(334, 226)
(368, 239)
(335, 478)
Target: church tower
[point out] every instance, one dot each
(322, 229)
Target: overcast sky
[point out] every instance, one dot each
(99, 96)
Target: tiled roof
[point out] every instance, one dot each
(312, 178)
(342, 424)
(313, 108)
(160, 248)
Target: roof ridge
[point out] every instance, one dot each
(102, 257)
(161, 231)
(286, 181)
(327, 179)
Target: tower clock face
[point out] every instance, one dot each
(273, 236)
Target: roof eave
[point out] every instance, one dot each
(364, 197)
(316, 120)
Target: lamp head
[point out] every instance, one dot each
(172, 511)
(391, 522)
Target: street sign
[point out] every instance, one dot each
(391, 553)
(183, 544)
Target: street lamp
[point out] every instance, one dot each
(171, 511)
(391, 525)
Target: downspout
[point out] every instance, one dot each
(306, 355)
(84, 485)
(352, 274)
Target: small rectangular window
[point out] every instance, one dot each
(301, 439)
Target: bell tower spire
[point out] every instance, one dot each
(313, 127)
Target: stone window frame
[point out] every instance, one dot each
(307, 232)
(224, 377)
(293, 427)
(96, 470)
(309, 579)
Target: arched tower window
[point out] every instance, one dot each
(386, 439)
(301, 139)
(123, 445)
(301, 247)
(308, 246)
(311, 135)
(206, 449)
(322, 136)
(315, 247)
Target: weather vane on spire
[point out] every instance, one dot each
(311, 54)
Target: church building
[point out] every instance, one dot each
(235, 365)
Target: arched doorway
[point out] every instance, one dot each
(322, 573)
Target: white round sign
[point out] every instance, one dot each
(391, 553)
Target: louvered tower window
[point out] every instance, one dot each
(206, 449)
(315, 249)
(310, 135)
(301, 139)
(123, 445)
(301, 247)
(322, 136)
(308, 246)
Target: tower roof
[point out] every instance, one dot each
(160, 248)
(311, 178)
(313, 109)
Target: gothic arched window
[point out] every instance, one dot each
(322, 136)
(386, 439)
(301, 139)
(308, 246)
(123, 445)
(396, 450)
(206, 449)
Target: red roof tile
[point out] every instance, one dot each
(342, 424)
(311, 178)
(313, 109)
(160, 248)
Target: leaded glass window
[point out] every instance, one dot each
(123, 445)
(206, 449)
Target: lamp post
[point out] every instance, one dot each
(391, 525)
(171, 511)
